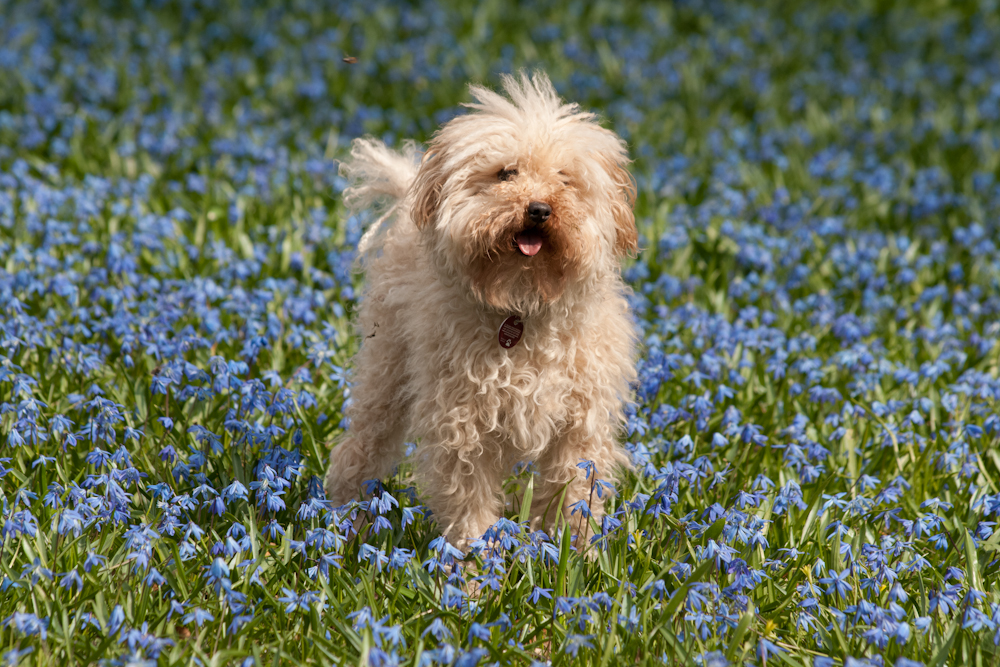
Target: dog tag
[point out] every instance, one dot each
(510, 331)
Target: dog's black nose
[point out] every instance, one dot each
(539, 212)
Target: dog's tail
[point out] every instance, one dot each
(379, 179)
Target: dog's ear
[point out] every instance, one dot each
(626, 236)
(427, 189)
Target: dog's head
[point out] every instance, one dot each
(524, 196)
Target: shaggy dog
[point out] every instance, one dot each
(495, 323)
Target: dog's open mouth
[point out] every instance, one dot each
(529, 242)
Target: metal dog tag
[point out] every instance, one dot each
(510, 331)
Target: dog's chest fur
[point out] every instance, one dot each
(520, 398)
(461, 388)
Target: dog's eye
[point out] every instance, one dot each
(506, 174)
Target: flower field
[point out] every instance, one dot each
(816, 423)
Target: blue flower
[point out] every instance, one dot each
(27, 624)
(767, 649)
(116, 620)
(438, 629)
(838, 583)
(198, 615)
(537, 593)
(574, 643)
(478, 631)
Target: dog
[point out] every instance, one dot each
(495, 323)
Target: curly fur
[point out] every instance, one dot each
(444, 271)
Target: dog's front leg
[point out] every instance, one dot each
(461, 481)
(579, 465)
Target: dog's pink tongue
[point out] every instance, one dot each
(529, 242)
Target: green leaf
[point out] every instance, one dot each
(737, 639)
(529, 491)
(941, 656)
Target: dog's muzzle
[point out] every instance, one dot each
(529, 241)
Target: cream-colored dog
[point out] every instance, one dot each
(495, 324)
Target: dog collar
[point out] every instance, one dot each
(510, 331)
